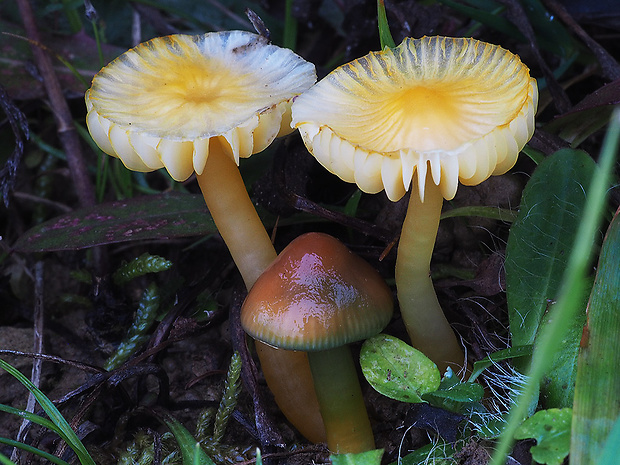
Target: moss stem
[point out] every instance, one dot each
(426, 323)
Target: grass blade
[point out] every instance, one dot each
(191, 451)
(64, 429)
(36, 419)
(574, 282)
(4, 460)
(597, 390)
(32, 450)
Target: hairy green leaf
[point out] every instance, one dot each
(397, 370)
(551, 429)
(371, 457)
(536, 255)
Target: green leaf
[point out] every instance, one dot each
(385, 36)
(597, 390)
(191, 451)
(151, 217)
(551, 429)
(537, 254)
(573, 284)
(456, 396)
(33, 450)
(461, 392)
(371, 457)
(494, 213)
(504, 354)
(436, 453)
(397, 370)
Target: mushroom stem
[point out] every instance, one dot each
(426, 323)
(235, 216)
(233, 212)
(288, 376)
(341, 402)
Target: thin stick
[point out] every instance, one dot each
(38, 348)
(66, 130)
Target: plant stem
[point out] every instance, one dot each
(426, 324)
(66, 129)
(341, 401)
(250, 246)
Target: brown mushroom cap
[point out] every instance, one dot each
(316, 295)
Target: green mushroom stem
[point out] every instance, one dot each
(286, 372)
(346, 420)
(317, 297)
(420, 309)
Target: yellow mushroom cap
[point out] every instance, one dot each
(164, 102)
(463, 106)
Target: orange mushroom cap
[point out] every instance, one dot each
(315, 296)
(463, 106)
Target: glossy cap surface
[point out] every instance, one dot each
(464, 107)
(166, 102)
(317, 295)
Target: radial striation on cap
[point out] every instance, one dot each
(164, 102)
(463, 106)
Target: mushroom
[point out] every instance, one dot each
(421, 116)
(197, 104)
(318, 296)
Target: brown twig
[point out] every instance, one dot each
(43, 201)
(38, 348)
(66, 130)
(19, 125)
(609, 65)
(518, 16)
(269, 436)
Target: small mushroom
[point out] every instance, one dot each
(317, 297)
(197, 104)
(422, 116)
